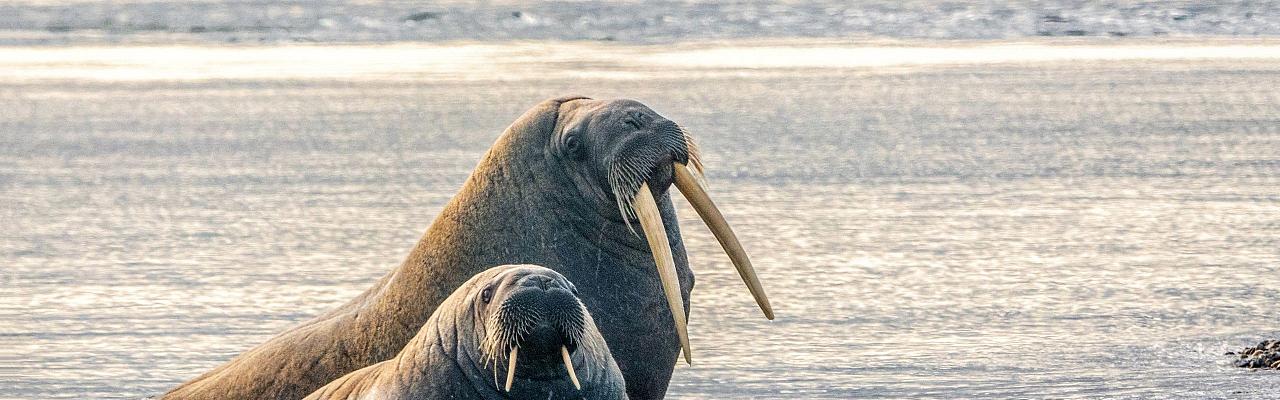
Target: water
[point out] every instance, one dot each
(1026, 227)
(253, 21)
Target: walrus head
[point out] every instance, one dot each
(532, 322)
(624, 154)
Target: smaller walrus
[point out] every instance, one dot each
(521, 322)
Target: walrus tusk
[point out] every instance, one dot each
(511, 368)
(568, 366)
(695, 191)
(656, 233)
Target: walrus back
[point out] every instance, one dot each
(293, 363)
(399, 376)
(361, 384)
(286, 367)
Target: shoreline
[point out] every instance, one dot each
(536, 60)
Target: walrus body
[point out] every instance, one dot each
(552, 191)
(462, 350)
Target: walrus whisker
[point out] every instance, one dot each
(505, 328)
(691, 150)
(656, 234)
(511, 367)
(573, 329)
(616, 186)
(691, 186)
(568, 366)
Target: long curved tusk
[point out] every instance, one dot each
(568, 366)
(656, 233)
(511, 368)
(693, 189)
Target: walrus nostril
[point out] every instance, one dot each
(540, 281)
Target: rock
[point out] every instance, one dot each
(1265, 355)
(422, 16)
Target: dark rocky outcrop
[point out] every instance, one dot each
(1265, 355)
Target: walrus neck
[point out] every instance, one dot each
(516, 207)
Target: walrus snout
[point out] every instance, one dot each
(539, 324)
(645, 156)
(540, 281)
(554, 318)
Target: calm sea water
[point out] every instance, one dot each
(1055, 229)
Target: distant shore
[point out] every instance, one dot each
(538, 60)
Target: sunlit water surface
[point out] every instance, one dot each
(1102, 227)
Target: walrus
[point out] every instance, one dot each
(564, 186)
(521, 322)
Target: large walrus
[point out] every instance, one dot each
(521, 322)
(561, 187)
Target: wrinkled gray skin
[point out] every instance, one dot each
(448, 358)
(537, 197)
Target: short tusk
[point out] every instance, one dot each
(511, 368)
(568, 366)
(655, 232)
(695, 191)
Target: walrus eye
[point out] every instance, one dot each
(571, 144)
(486, 295)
